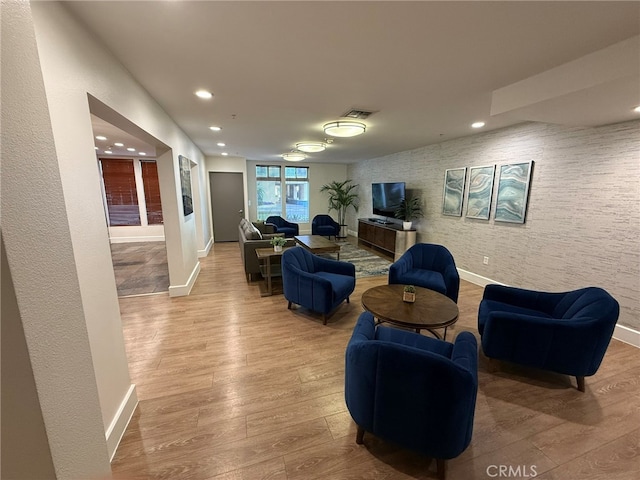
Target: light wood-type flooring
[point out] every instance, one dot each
(234, 386)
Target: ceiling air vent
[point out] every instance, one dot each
(356, 113)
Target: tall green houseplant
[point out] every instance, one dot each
(341, 197)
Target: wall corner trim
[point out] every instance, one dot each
(121, 420)
(183, 290)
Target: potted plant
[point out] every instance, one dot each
(409, 209)
(278, 243)
(409, 294)
(341, 197)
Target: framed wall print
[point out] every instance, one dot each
(453, 191)
(480, 191)
(513, 192)
(185, 184)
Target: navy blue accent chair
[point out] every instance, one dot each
(317, 283)
(282, 226)
(325, 225)
(415, 391)
(566, 333)
(429, 266)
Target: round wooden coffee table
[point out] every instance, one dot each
(430, 310)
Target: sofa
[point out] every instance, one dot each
(565, 332)
(251, 236)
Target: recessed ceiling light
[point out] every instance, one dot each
(96, 148)
(224, 154)
(215, 129)
(131, 149)
(220, 144)
(637, 109)
(477, 125)
(294, 156)
(108, 151)
(310, 147)
(118, 144)
(100, 137)
(204, 94)
(141, 153)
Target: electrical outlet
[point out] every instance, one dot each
(485, 260)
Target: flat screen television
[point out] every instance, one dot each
(387, 197)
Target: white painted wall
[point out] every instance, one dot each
(38, 237)
(74, 65)
(583, 220)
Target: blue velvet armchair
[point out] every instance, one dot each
(317, 283)
(566, 333)
(282, 226)
(415, 391)
(325, 225)
(429, 266)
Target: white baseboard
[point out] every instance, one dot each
(120, 421)
(207, 249)
(627, 335)
(183, 290)
(148, 238)
(476, 279)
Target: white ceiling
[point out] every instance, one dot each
(280, 70)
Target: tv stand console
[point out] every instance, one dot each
(391, 239)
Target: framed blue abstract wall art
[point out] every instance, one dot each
(480, 191)
(513, 192)
(453, 191)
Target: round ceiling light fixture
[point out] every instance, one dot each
(477, 124)
(311, 147)
(204, 94)
(344, 128)
(294, 156)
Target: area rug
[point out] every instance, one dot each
(367, 264)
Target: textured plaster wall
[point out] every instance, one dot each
(37, 238)
(583, 220)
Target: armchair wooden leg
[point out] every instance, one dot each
(289, 306)
(347, 299)
(580, 383)
(360, 435)
(442, 468)
(324, 318)
(493, 365)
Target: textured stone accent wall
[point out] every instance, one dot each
(583, 219)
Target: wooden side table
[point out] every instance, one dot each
(265, 256)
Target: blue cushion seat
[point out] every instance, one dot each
(317, 283)
(429, 266)
(281, 225)
(566, 332)
(412, 390)
(325, 225)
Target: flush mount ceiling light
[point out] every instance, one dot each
(204, 94)
(101, 137)
(293, 156)
(477, 125)
(344, 128)
(311, 147)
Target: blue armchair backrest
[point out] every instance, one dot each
(430, 257)
(299, 258)
(590, 302)
(323, 220)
